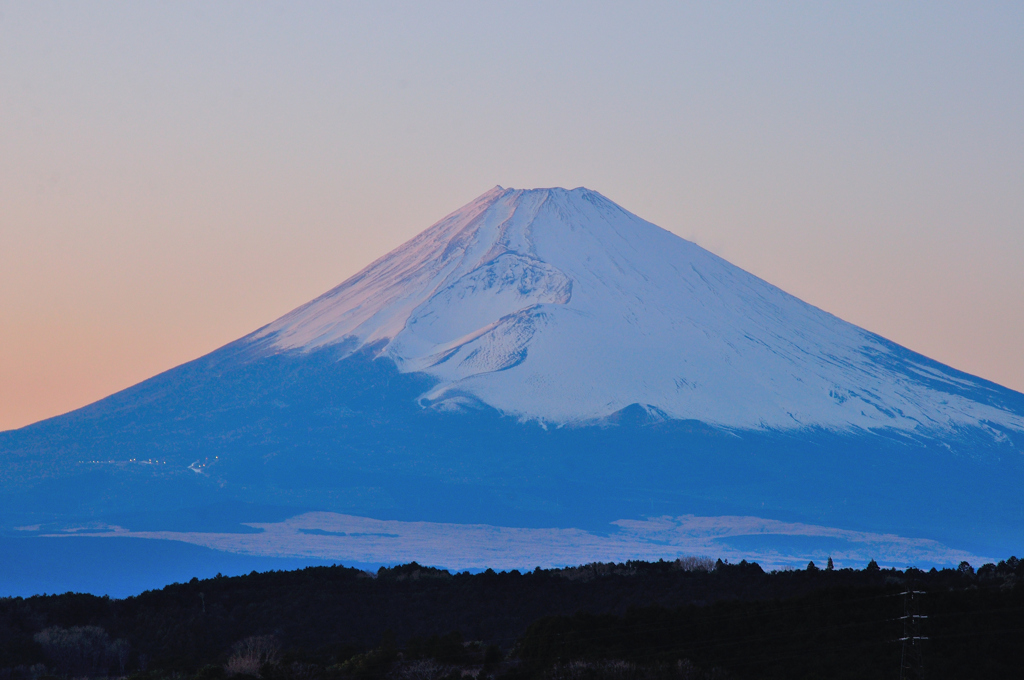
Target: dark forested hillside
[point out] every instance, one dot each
(667, 619)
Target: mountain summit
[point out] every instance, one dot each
(540, 378)
(563, 307)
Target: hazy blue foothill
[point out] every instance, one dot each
(282, 449)
(119, 567)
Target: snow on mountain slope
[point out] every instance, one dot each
(561, 306)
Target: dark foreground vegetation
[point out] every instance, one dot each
(689, 619)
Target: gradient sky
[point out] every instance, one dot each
(174, 175)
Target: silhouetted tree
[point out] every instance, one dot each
(248, 656)
(77, 651)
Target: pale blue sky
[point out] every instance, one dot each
(174, 175)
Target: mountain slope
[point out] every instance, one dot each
(561, 306)
(546, 365)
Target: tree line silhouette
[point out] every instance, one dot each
(687, 619)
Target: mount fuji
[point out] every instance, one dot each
(541, 377)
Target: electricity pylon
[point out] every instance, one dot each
(911, 658)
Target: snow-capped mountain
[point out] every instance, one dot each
(563, 307)
(539, 378)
